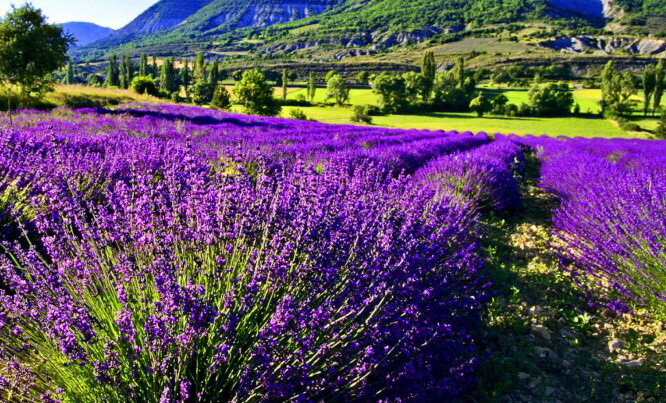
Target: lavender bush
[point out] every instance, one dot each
(612, 218)
(165, 253)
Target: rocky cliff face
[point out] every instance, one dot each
(266, 15)
(607, 45)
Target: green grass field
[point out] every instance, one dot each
(566, 126)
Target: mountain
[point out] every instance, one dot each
(173, 21)
(162, 15)
(86, 33)
(337, 29)
(207, 17)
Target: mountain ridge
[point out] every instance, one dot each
(86, 33)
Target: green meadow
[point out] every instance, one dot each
(583, 126)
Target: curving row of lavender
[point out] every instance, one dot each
(166, 253)
(612, 218)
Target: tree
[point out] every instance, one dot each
(659, 85)
(554, 99)
(336, 88)
(481, 105)
(70, 76)
(649, 85)
(143, 65)
(126, 72)
(428, 71)
(221, 98)
(112, 73)
(285, 80)
(200, 69)
(144, 85)
(448, 96)
(168, 77)
(459, 72)
(330, 74)
(237, 75)
(391, 92)
(499, 104)
(94, 80)
(156, 70)
(414, 84)
(30, 51)
(202, 93)
(255, 94)
(616, 90)
(363, 77)
(214, 75)
(186, 77)
(312, 87)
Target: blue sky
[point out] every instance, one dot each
(108, 13)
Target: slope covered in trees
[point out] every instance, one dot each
(301, 23)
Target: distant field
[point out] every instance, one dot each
(305, 28)
(109, 94)
(487, 45)
(567, 126)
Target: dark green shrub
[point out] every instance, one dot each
(298, 114)
(361, 115)
(202, 93)
(660, 133)
(511, 110)
(144, 85)
(221, 98)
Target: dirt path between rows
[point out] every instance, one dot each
(541, 340)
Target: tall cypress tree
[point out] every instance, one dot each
(200, 68)
(428, 71)
(70, 76)
(285, 79)
(156, 70)
(112, 73)
(312, 87)
(143, 65)
(186, 77)
(649, 84)
(606, 80)
(168, 79)
(123, 73)
(660, 72)
(126, 72)
(459, 72)
(214, 74)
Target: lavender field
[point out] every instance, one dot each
(177, 254)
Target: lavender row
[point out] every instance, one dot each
(147, 266)
(486, 176)
(612, 217)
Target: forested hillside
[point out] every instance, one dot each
(270, 28)
(647, 7)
